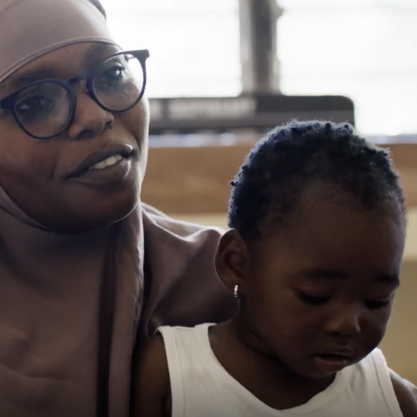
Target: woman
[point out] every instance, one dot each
(86, 270)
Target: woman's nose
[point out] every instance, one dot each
(90, 120)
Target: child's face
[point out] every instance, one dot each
(322, 286)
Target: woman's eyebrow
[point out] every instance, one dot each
(97, 52)
(20, 80)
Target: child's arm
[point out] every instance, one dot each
(151, 387)
(406, 395)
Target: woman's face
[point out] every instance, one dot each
(37, 174)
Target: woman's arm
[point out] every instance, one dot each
(151, 386)
(406, 394)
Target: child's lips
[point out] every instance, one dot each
(333, 361)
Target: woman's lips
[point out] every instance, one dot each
(122, 152)
(106, 176)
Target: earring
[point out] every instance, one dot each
(236, 292)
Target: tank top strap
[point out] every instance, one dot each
(174, 368)
(383, 376)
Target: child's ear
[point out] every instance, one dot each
(232, 259)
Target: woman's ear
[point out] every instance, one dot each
(232, 260)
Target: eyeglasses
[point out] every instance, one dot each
(44, 109)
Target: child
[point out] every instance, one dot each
(317, 227)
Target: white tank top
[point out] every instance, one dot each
(201, 387)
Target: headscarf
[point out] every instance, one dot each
(73, 308)
(32, 28)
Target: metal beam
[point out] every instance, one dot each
(258, 45)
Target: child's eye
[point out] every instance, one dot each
(376, 304)
(312, 299)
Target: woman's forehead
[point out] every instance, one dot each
(70, 22)
(61, 64)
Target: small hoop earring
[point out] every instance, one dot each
(236, 292)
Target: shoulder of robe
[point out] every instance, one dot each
(185, 288)
(155, 220)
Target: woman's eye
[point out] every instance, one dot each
(377, 304)
(113, 74)
(33, 104)
(312, 299)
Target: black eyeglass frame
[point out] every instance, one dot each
(9, 102)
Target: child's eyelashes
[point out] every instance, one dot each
(318, 301)
(377, 304)
(312, 299)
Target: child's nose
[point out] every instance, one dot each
(345, 321)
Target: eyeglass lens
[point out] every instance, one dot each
(118, 82)
(45, 109)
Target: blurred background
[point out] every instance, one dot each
(364, 49)
(223, 72)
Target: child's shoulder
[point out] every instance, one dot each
(199, 328)
(406, 394)
(152, 359)
(170, 334)
(150, 385)
(154, 352)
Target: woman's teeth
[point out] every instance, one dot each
(113, 160)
